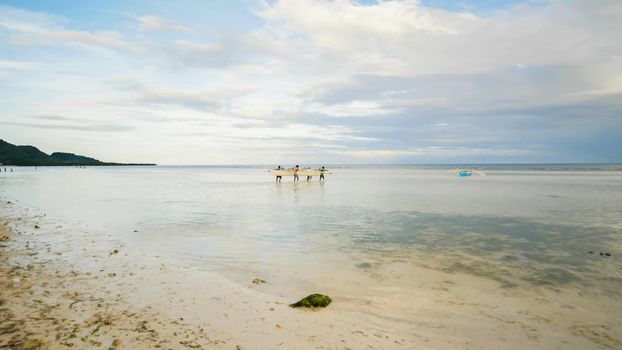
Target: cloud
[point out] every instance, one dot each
(93, 127)
(202, 99)
(15, 65)
(29, 28)
(391, 80)
(14, 19)
(51, 117)
(496, 91)
(355, 108)
(100, 39)
(161, 24)
(439, 153)
(404, 37)
(283, 135)
(220, 53)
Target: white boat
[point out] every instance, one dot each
(290, 172)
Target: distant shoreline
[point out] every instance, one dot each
(84, 164)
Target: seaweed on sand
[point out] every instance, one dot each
(313, 301)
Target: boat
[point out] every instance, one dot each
(290, 172)
(464, 173)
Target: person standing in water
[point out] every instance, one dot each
(322, 171)
(279, 177)
(309, 177)
(296, 173)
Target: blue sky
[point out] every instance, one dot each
(305, 81)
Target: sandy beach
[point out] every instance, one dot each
(89, 290)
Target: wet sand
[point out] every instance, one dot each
(93, 292)
(87, 289)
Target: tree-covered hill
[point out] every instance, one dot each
(29, 155)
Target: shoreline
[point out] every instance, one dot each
(85, 288)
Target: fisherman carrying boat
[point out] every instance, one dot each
(279, 177)
(296, 173)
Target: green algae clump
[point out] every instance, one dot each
(313, 301)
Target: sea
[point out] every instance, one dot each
(529, 230)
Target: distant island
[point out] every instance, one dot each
(31, 156)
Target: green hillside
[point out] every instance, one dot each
(71, 158)
(30, 156)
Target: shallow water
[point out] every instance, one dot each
(540, 224)
(520, 226)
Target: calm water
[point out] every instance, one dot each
(519, 225)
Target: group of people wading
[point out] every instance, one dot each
(296, 169)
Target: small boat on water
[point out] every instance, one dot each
(290, 172)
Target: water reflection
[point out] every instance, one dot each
(515, 227)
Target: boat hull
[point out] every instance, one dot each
(287, 172)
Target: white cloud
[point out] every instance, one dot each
(391, 80)
(439, 153)
(195, 98)
(404, 37)
(100, 39)
(29, 28)
(350, 109)
(15, 65)
(161, 24)
(14, 19)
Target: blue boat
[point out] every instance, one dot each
(464, 173)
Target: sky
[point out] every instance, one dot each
(314, 81)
